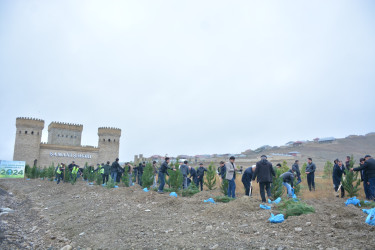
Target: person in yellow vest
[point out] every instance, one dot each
(75, 171)
(59, 172)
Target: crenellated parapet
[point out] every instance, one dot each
(29, 122)
(67, 126)
(105, 131)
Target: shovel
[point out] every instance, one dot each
(337, 192)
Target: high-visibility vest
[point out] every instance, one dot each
(101, 169)
(75, 170)
(58, 170)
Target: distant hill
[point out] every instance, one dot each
(358, 146)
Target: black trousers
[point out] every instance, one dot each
(105, 178)
(311, 181)
(200, 182)
(247, 188)
(263, 185)
(342, 190)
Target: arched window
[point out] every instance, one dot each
(38, 133)
(32, 132)
(114, 140)
(66, 136)
(109, 140)
(71, 136)
(20, 131)
(58, 135)
(25, 132)
(103, 139)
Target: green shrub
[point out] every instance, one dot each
(351, 182)
(148, 176)
(50, 172)
(303, 171)
(328, 169)
(210, 181)
(111, 183)
(125, 177)
(224, 199)
(292, 208)
(284, 167)
(190, 191)
(368, 205)
(224, 187)
(34, 172)
(297, 188)
(66, 174)
(85, 172)
(27, 171)
(277, 189)
(98, 178)
(175, 179)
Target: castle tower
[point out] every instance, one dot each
(67, 134)
(109, 144)
(28, 139)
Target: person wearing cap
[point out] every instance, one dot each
(246, 179)
(310, 172)
(369, 172)
(200, 175)
(184, 171)
(231, 177)
(295, 169)
(338, 171)
(264, 172)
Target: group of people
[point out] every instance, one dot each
(263, 171)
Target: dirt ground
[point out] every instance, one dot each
(51, 216)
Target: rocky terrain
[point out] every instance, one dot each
(44, 215)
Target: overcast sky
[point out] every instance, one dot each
(189, 77)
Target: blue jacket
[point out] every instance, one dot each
(223, 171)
(247, 176)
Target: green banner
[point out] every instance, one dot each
(12, 169)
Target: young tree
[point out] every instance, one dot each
(51, 172)
(125, 177)
(328, 169)
(27, 171)
(303, 171)
(284, 167)
(98, 178)
(210, 181)
(148, 176)
(351, 182)
(67, 174)
(277, 189)
(111, 183)
(85, 172)
(224, 187)
(175, 179)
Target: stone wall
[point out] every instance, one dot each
(64, 134)
(67, 154)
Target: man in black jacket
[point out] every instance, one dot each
(338, 170)
(141, 167)
(366, 186)
(295, 169)
(223, 170)
(200, 175)
(369, 172)
(264, 172)
(288, 178)
(162, 172)
(114, 169)
(193, 174)
(310, 174)
(246, 179)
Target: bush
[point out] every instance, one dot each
(224, 187)
(351, 182)
(210, 181)
(98, 178)
(284, 167)
(368, 204)
(125, 177)
(277, 189)
(328, 169)
(175, 179)
(50, 172)
(34, 172)
(148, 176)
(111, 183)
(27, 171)
(66, 174)
(303, 171)
(292, 208)
(85, 172)
(190, 191)
(224, 199)
(91, 175)
(297, 188)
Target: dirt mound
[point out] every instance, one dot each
(49, 215)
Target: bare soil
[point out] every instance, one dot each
(50, 216)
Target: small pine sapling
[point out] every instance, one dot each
(303, 171)
(328, 169)
(51, 172)
(175, 179)
(210, 181)
(351, 182)
(277, 189)
(98, 178)
(224, 187)
(125, 177)
(148, 176)
(111, 183)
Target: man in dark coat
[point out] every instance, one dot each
(114, 169)
(193, 174)
(347, 163)
(162, 172)
(184, 171)
(295, 169)
(246, 179)
(200, 175)
(338, 170)
(310, 174)
(288, 178)
(264, 172)
(141, 168)
(369, 172)
(223, 170)
(366, 186)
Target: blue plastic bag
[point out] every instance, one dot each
(276, 218)
(145, 189)
(104, 184)
(368, 211)
(115, 186)
(277, 201)
(264, 206)
(366, 202)
(353, 201)
(210, 200)
(371, 217)
(173, 194)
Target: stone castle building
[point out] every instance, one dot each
(64, 144)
